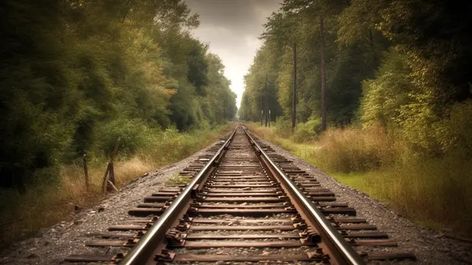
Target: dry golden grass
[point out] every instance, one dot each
(129, 169)
(356, 149)
(178, 180)
(433, 191)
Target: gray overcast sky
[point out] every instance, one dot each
(232, 28)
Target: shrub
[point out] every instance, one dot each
(459, 128)
(307, 131)
(434, 191)
(126, 136)
(283, 127)
(355, 149)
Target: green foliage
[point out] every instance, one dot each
(401, 72)
(161, 147)
(390, 89)
(122, 137)
(404, 69)
(409, 108)
(458, 137)
(178, 180)
(283, 127)
(358, 22)
(307, 131)
(356, 150)
(77, 75)
(22, 215)
(425, 75)
(273, 65)
(261, 88)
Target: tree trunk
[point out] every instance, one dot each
(266, 103)
(294, 89)
(322, 76)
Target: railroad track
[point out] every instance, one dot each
(244, 204)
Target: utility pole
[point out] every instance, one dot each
(294, 89)
(322, 75)
(264, 94)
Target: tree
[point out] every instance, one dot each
(71, 68)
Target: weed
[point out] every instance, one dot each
(178, 180)
(356, 149)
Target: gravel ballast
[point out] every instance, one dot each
(53, 244)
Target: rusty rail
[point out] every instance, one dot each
(244, 178)
(142, 252)
(342, 252)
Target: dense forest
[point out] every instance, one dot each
(405, 65)
(91, 76)
(379, 94)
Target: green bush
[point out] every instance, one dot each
(122, 136)
(283, 127)
(459, 129)
(307, 131)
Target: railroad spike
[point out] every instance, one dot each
(195, 204)
(174, 237)
(186, 218)
(183, 226)
(300, 225)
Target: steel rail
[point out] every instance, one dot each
(343, 252)
(142, 252)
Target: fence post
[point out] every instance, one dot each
(109, 177)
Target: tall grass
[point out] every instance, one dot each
(22, 215)
(356, 150)
(433, 191)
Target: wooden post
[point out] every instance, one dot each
(111, 174)
(105, 180)
(109, 177)
(86, 176)
(108, 183)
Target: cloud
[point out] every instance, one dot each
(232, 29)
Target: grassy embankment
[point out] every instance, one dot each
(435, 192)
(22, 215)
